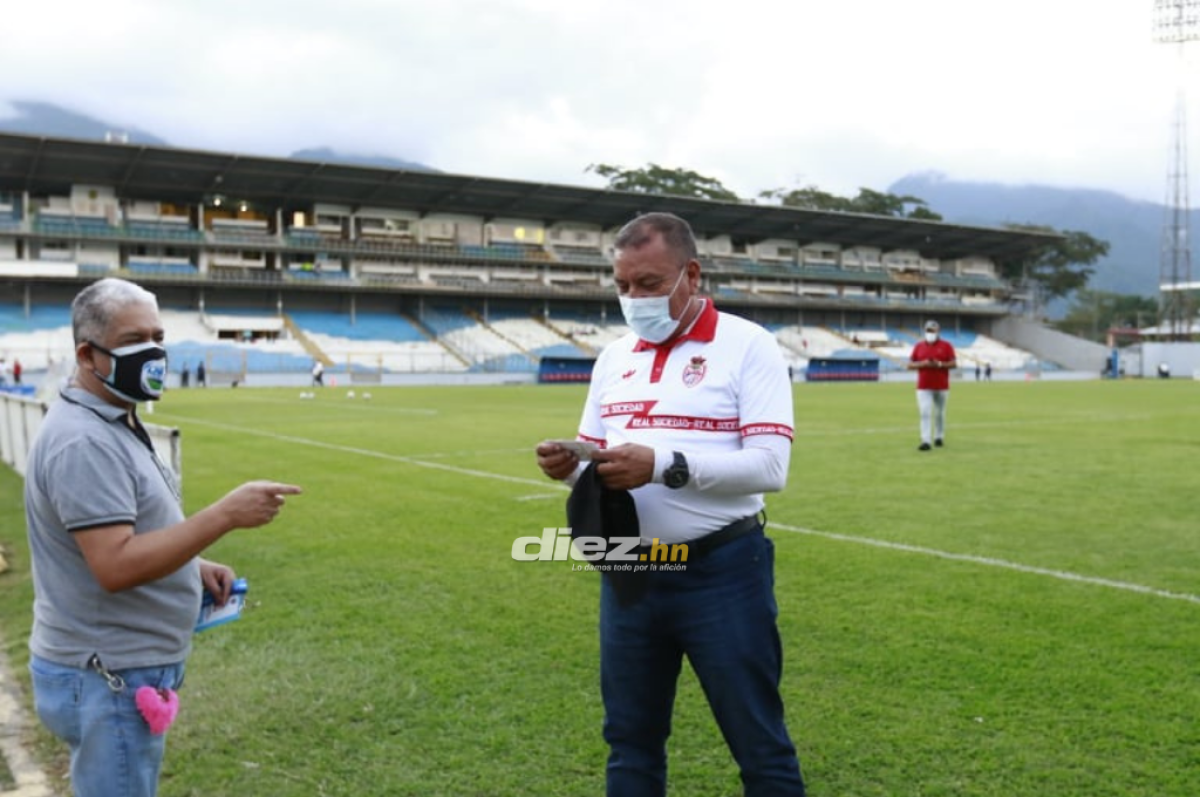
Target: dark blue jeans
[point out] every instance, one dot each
(720, 612)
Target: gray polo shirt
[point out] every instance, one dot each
(87, 469)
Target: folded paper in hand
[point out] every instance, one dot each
(582, 448)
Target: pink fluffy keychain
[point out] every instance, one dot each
(158, 706)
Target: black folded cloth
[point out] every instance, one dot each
(594, 510)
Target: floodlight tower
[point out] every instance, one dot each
(1176, 22)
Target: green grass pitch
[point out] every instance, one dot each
(1015, 614)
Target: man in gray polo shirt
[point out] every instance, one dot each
(116, 568)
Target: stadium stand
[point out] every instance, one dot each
(477, 345)
(442, 248)
(363, 326)
(375, 343)
(532, 336)
(811, 341)
(48, 223)
(381, 342)
(588, 332)
(37, 337)
(166, 229)
(970, 347)
(14, 318)
(193, 337)
(10, 213)
(579, 256)
(160, 266)
(984, 350)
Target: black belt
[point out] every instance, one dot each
(726, 534)
(630, 586)
(702, 546)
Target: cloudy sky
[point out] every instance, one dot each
(760, 94)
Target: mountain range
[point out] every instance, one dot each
(44, 119)
(1133, 229)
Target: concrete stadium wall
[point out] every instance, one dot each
(1143, 359)
(1067, 351)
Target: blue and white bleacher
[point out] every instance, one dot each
(40, 317)
(364, 326)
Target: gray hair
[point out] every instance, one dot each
(94, 307)
(676, 234)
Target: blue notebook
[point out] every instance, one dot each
(213, 615)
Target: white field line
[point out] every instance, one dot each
(907, 428)
(328, 405)
(986, 561)
(541, 496)
(366, 452)
(991, 562)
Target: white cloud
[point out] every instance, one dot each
(759, 94)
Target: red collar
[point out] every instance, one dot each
(704, 329)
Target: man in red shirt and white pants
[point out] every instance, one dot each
(932, 359)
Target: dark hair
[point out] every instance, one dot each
(676, 234)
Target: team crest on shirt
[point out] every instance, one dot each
(694, 372)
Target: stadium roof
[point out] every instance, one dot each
(46, 166)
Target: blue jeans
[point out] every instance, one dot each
(720, 612)
(113, 753)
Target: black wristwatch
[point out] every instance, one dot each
(677, 474)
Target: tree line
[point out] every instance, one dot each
(1059, 269)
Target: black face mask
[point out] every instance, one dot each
(139, 372)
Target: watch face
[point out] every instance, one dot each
(675, 476)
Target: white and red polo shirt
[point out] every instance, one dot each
(710, 390)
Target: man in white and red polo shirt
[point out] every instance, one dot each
(693, 413)
(933, 359)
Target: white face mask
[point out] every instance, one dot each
(650, 316)
(930, 337)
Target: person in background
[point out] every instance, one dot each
(933, 359)
(16, 371)
(117, 571)
(693, 413)
(201, 375)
